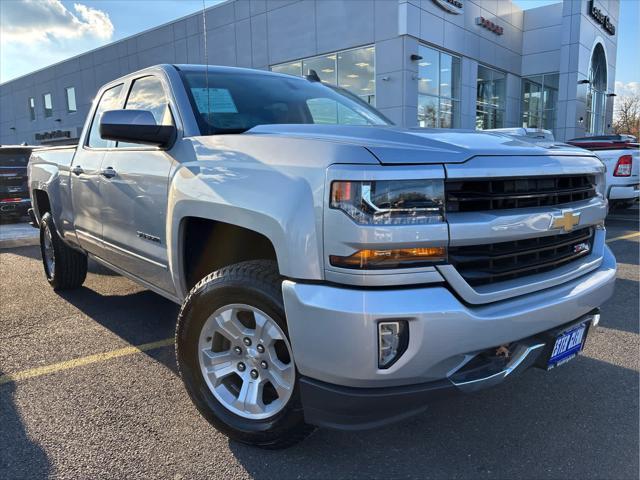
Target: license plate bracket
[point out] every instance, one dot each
(564, 344)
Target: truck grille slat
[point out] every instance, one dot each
(483, 264)
(497, 194)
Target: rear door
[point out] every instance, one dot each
(134, 192)
(86, 179)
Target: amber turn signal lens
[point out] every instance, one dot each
(340, 192)
(388, 259)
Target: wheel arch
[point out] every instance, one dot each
(207, 245)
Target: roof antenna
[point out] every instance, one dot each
(312, 76)
(206, 68)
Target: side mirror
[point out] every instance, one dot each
(135, 126)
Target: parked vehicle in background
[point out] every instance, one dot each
(14, 187)
(621, 156)
(334, 270)
(522, 132)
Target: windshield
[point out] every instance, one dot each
(232, 102)
(14, 159)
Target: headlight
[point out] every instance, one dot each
(390, 202)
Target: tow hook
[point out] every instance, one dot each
(503, 351)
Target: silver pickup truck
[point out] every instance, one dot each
(333, 270)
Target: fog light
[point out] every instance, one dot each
(393, 339)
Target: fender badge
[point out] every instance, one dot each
(566, 221)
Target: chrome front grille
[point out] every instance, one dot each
(504, 193)
(496, 262)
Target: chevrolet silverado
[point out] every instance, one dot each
(333, 269)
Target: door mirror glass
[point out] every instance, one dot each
(135, 126)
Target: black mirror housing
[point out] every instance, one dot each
(135, 126)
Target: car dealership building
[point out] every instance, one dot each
(472, 64)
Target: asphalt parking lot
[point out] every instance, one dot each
(77, 400)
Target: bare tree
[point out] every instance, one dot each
(627, 115)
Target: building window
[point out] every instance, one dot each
(438, 89)
(71, 99)
(32, 108)
(539, 101)
(48, 104)
(490, 99)
(596, 93)
(353, 70)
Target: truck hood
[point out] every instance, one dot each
(394, 145)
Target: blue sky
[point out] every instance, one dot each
(25, 48)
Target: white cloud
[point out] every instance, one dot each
(38, 33)
(40, 21)
(627, 89)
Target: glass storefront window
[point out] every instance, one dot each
(596, 92)
(356, 72)
(324, 66)
(353, 70)
(291, 68)
(539, 101)
(490, 99)
(438, 89)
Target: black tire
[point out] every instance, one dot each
(70, 268)
(256, 283)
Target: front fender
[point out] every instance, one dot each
(285, 208)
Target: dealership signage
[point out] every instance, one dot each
(601, 18)
(451, 6)
(489, 25)
(53, 135)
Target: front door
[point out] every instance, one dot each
(86, 177)
(134, 191)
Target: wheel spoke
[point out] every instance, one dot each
(279, 383)
(261, 325)
(272, 333)
(250, 397)
(218, 365)
(230, 326)
(275, 362)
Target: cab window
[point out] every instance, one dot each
(108, 101)
(147, 93)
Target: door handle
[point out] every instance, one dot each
(77, 170)
(108, 172)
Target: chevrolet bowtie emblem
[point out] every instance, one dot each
(566, 221)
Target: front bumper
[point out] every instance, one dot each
(350, 408)
(333, 330)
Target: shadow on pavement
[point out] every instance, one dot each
(20, 457)
(622, 311)
(29, 251)
(33, 252)
(560, 424)
(625, 251)
(137, 318)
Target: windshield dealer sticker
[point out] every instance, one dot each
(219, 101)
